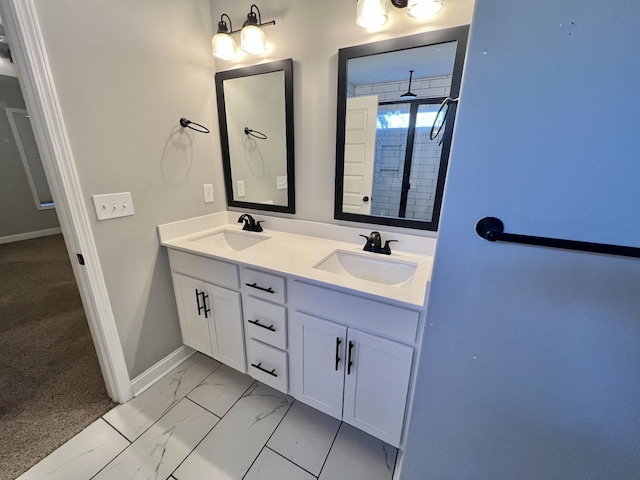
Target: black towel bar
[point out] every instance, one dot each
(492, 229)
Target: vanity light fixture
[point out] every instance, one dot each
(424, 9)
(224, 46)
(252, 38)
(372, 14)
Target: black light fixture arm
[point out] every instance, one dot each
(253, 18)
(222, 25)
(492, 229)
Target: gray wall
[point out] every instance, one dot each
(18, 212)
(125, 72)
(531, 360)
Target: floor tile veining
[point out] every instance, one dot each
(204, 420)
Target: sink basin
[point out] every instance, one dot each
(230, 240)
(367, 267)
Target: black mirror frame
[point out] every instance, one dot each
(287, 67)
(459, 34)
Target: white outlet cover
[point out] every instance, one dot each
(208, 192)
(241, 192)
(113, 205)
(281, 182)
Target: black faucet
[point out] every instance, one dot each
(250, 225)
(374, 244)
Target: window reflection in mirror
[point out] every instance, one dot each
(388, 170)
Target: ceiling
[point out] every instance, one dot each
(430, 61)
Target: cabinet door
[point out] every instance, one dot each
(193, 324)
(376, 385)
(317, 362)
(225, 326)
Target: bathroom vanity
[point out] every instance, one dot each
(312, 316)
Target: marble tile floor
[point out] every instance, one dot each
(204, 420)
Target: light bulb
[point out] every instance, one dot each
(424, 9)
(253, 40)
(372, 14)
(224, 47)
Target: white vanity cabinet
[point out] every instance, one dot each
(351, 374)
(210, 313)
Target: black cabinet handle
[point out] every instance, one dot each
(257, 323)
(255, 285)
(338, 342)
(204, 305)
(198, 301)
(365, 199)
(259, 367)
(349, 363)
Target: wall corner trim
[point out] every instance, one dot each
(154, 373)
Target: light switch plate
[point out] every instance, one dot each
(281, 182)
(208, 192)
(113, 205)
(241, 192)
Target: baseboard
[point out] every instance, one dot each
(28, 235)
(150, 376)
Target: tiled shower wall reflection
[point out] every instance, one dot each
(391, 147)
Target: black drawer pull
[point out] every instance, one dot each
(258, 366)
(204, 305)
(255, 285)
(338, 342)
(198, 302)
(257, 323)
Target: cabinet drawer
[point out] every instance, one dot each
(380, 318)
(264, 285)
(266, 322)
(207, 269)
(267, 365)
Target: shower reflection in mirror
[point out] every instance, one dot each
(389, 171)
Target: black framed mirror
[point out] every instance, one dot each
(388, 169)
(255, 112)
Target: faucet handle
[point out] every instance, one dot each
(366, 237)
(258, 226)
(387, 249)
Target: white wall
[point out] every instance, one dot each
(18, 211)
(531, 360)
(125, 72)
(311, 32)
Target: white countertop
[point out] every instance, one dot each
(296, 255)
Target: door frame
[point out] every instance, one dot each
(36, 81)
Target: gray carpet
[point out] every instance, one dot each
(50, 383)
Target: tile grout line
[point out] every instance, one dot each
(331, 448)
(290, 461)
(157, 420)
(274, 431)
(202, 440)
(119, 432)
(167, 410)
(131, 443)
(205, 409)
